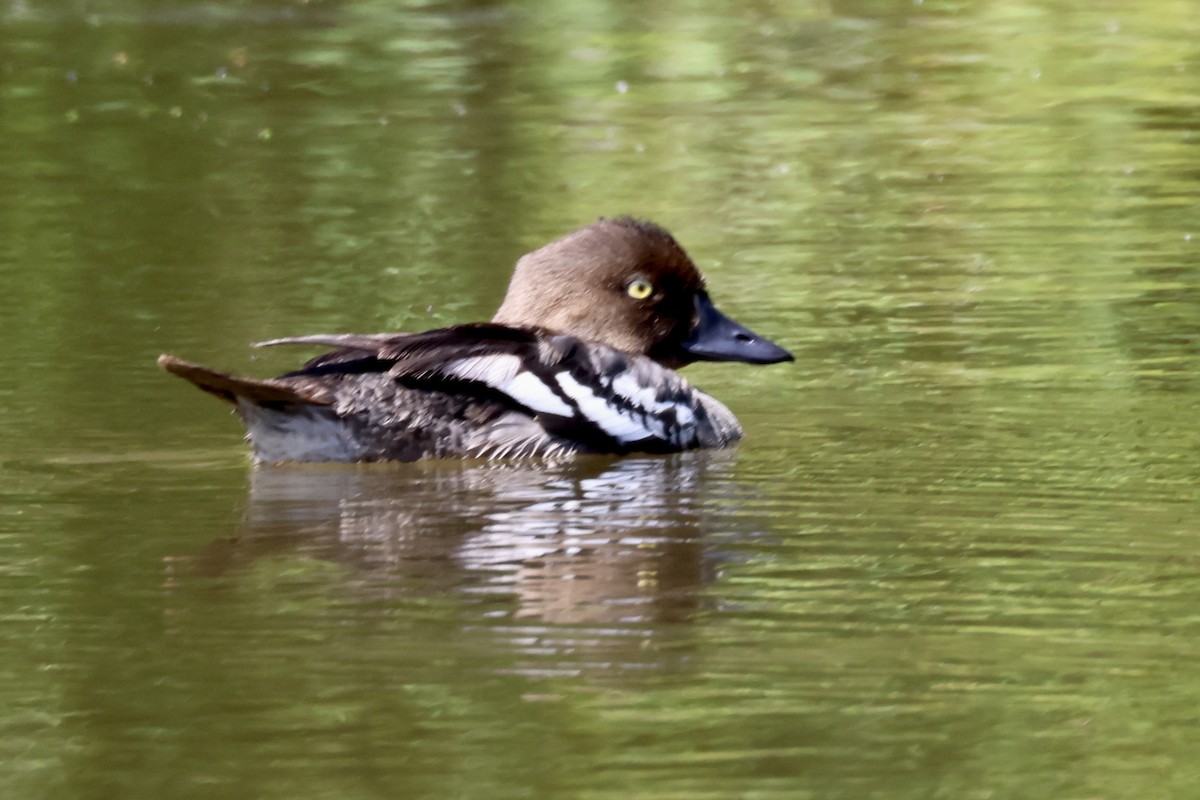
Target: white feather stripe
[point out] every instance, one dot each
(646, 396)
(505, 374)
(619, 424)
(639, 394)
(530, 391)
(495, 370)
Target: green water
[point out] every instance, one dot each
(958, 555)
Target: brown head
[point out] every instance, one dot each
(628, 284)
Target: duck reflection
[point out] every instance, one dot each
(595, 541)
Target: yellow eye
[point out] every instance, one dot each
(640, 288)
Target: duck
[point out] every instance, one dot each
(581, 357)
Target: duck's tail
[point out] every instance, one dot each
(232, 388)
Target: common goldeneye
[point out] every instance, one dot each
(580, 358)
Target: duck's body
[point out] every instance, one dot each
(471, 391)
(579, 358)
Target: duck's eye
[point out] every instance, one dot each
(640, 288)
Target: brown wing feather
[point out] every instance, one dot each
(230, 387)
(351, 347)
(367, 342)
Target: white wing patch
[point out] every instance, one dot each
(505, 373)
(638, 394)
(495, 371)
(684, 416)
(617, 422)
(529, 390)
(646, 398)
(642, 402)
